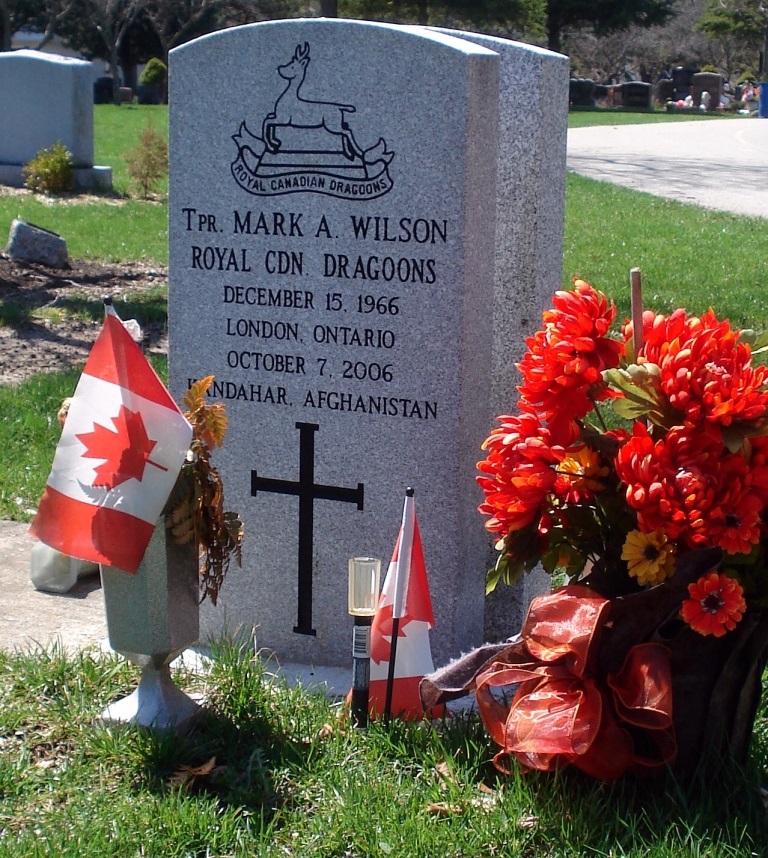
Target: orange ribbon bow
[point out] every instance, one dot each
(563, 712)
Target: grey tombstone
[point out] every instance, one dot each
(334, 249)
(45, 99)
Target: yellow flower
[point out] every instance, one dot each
(580, 472)
(650, 556)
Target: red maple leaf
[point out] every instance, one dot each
(125, 451)
(380, 648)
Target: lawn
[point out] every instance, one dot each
(272, 771)
(608, 231)
(111, 227)
(581, 117)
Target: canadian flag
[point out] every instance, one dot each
(404, 614)
(120, 452)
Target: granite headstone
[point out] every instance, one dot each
(334, 244)
(46, 99)
(530, 213)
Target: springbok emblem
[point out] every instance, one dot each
(309, 159)
(293, 111)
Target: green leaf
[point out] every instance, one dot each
(563, 557)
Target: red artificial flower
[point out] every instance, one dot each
(518, 473)
(692, 488)
(757, 452)
(562, 368)
(715, 606)
(706, 371)
(658, 332)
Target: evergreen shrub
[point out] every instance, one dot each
(51, 171)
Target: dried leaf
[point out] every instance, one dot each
(444, 775)
(326, 731)
(201, 516)
(184, 774)
(443, 808)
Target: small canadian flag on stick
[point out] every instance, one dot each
(400, 652)
(120, 452)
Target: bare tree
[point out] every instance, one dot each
(43, 17)
(113, 20)
(177, 22)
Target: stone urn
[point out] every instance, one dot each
(152, 617)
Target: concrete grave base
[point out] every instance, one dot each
(97, 178)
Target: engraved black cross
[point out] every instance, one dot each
(307, 491)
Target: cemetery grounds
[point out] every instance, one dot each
(275, 771)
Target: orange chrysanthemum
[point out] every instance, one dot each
(518, 473)
(562, 368)
(715, 606)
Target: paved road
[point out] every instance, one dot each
(718, 163)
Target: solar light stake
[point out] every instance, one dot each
(363, 594)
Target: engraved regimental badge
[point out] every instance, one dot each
(309, 146)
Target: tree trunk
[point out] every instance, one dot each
(423, 17)
(554, 27)
(6, 30)
(114, 70)
(329, 8)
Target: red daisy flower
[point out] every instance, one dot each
(707, 374)
(715, 606)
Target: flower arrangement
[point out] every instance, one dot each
(627, 452)
(634, 469)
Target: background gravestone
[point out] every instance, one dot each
(332, 263)
(706, 82)
(637, 94)
(44, 99)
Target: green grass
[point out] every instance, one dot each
(29, 433)
(116, 130)
(581, 117)
(289, 778)
(280, 774)
(689, 257)
(114, 229)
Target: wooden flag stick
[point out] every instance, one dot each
(636, 287)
